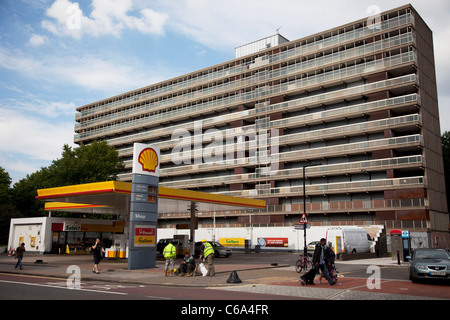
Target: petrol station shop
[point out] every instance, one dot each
(67, 235)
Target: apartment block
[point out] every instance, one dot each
(355, 107)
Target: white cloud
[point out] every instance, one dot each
(98, 72)
(108, 17)
(37, 40)
(223, 25)
(33, 137)
(34, 105)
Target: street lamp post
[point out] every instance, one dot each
(305, 248)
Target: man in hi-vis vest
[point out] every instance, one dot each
(169, 253)
(208, 254)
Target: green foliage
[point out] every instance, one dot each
(95, 162)
(7, 209)
(5, 182)
(92, 163)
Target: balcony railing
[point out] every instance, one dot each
(332, 188)
(264, 76)
(302, 50)
(328, 208)
(296, 138)
(299, 84)
(310, 119)
(412, 141)
(289, 174)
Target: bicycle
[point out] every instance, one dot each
(302, 263)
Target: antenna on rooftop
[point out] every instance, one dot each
(278, 30)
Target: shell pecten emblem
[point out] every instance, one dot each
(148, 159)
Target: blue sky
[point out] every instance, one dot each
(56, 55)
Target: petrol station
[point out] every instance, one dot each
(138, 204)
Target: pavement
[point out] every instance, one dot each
(52, 265)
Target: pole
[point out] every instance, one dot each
(192, 227)
(305, 247)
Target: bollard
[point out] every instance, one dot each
(398, 257)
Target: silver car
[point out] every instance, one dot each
(429, 264)
(219, 250)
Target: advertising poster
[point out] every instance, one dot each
(232, 242)
(273, 242)
(144, 236)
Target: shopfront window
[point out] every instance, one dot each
(75, 241)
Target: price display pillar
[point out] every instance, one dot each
(143, 207)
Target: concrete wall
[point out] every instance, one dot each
(295, 237)
(28, 229)
(40, 229)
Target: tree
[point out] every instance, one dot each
(89, 163)
(7, 209)
(85, 164)
(5, 182)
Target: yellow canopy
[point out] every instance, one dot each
(114, 197)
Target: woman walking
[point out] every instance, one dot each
(98, 249)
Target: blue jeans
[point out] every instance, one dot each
(325, 273)
(19, 262)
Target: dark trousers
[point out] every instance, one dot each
(187, 267)
(325, 273)
(19, 262)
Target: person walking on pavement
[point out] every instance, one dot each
(320, 260)
(98, 250)
(329, 258)
(169, 253)
(208, 254)
(19, 256)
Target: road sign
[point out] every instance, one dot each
(303, 219)
(302, 226)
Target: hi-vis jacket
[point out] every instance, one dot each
(170, 252)
(208, 249)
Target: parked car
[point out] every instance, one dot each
(219, 250)
(429, 264)
(312, 246)
(163, 243)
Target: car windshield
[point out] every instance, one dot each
(431, 254)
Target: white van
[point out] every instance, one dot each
(349, 240)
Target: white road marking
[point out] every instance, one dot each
(61, 287)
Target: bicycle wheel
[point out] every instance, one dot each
(306, 263)
(298, 266)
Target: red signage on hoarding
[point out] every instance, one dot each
(273, 242)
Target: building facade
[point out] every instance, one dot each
(355, 105)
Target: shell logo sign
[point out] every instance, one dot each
(146, 159)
